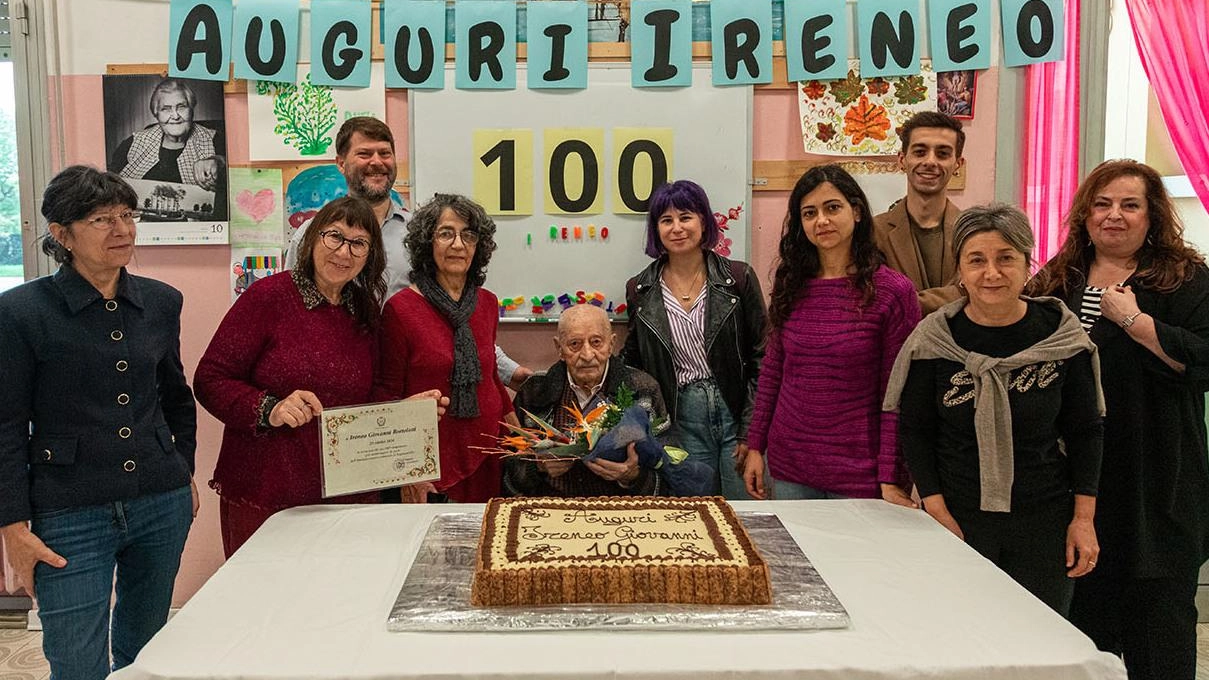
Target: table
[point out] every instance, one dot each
(308, 596)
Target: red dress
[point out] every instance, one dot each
(417, 355)
(273, 342)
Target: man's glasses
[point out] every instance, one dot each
(111, 221)
(334, 240)
(446, 235)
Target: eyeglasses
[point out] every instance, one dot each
(111, 221)
(446, 235)
(334, 240)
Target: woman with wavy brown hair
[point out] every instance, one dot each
(1143, 295)
(837, 320)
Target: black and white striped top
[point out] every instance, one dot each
(1089, 307)
(688, 336)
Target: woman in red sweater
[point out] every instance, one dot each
(439, 333)
(290, 345)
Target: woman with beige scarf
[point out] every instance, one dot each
(1001, 414)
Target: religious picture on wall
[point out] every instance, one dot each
(955, 93)
(166, 137)
(856, 116)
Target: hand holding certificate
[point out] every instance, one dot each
(378, 446)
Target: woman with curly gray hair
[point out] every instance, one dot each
(439, 333)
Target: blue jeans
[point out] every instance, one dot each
(142, 538)
(710, 434)
(790, 491)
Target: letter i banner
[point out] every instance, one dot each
(266, 40)
(199, 45)
(341, 42)
(415, 43)
(661, 43)
(557, 37)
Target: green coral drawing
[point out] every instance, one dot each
(305, 114)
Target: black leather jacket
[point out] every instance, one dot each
(735, 319)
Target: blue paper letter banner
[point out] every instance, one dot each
(200, 42)
(340, 42)
(1033, 31)
(661, 43)
(415, 43)
(741, 39)
(557, 36)
(961, 34)
(887, 32)
(266, 40)
(486, 44)
(816, 39)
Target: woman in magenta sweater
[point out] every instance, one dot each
(837, 320)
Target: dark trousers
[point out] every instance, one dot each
(1150, 622)
(1028, 544)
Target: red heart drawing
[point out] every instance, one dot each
(257, 206)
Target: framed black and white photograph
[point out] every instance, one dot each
(167, 138)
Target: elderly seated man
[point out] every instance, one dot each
(586, 375)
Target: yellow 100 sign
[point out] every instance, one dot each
(573, 169)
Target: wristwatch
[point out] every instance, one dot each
(1128, 321)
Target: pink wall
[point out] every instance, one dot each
(200, 272)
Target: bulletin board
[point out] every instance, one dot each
(458, 145)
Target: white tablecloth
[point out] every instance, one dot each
(308, 596)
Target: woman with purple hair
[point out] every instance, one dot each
(697, 325)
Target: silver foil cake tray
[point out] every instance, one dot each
(436, 593)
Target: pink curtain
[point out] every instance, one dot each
(1173, 42)
(1051, 163)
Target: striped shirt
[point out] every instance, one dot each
(688, 336)
(1089, 307)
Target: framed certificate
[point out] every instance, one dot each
(378, 446)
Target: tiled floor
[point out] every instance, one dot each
(21, 655)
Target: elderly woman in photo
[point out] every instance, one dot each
(1143, 296)
(291, 345)
(585, 376)
(175, 148)
(697, 325)
(439, 334)
(97, 433)
(1000, 413)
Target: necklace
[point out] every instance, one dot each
(691, 286)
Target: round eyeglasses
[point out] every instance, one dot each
(334, 240)
(446, 235)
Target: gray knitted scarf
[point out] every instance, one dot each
(932, 339)
(466, 374)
